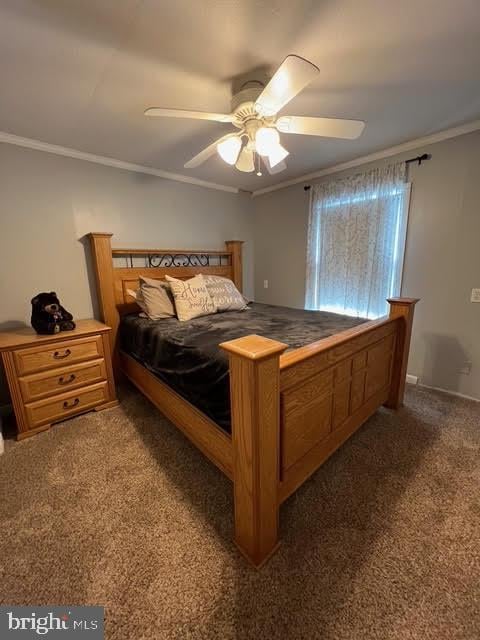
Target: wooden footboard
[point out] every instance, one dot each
(326, 397)
(291, 411)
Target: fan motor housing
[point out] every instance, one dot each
(243, 103)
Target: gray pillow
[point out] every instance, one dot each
(155, 298)
(224, 294)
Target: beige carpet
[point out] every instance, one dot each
(118, 509)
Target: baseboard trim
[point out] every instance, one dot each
(449, 392)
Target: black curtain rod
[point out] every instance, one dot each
(419, 159)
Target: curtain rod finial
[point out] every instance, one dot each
(419, 159)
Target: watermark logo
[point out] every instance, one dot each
(19, 623)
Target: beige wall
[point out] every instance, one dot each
(442, 260)
(48, 202)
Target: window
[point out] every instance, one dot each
(356, 242)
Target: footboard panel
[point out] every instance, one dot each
(326, 396)
(290, 411)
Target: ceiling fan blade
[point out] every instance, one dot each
(195, 115)
(207, 153)
(289, 79)
(325, 127)
(280, 166)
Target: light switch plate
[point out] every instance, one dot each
(475, 297)
(265, 285)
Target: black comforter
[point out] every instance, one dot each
(186, 355)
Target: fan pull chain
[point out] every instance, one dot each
(259, 172)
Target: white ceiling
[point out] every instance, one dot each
(80, 74)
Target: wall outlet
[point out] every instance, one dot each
(265, 284)
(475, 297)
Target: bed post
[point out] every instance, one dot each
(235, 248)
(402, 308)
(101, 248)
(255, 407)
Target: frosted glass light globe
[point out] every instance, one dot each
(277, 154)
(245, 161)
(266, 139)
(229, 149)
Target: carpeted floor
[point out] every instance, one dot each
(118, 509)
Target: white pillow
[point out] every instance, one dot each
(191, 298)
(224, 294)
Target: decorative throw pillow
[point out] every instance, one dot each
(137, 296)
(224, 294)
(155, 299)
(191, 298)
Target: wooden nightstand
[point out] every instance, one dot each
(58, 376)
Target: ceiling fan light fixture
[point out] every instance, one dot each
(229, 149)
(266, 140)
(245, 161)
(277, 154)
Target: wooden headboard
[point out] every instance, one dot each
(117, 270)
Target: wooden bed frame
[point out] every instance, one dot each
(290, 411)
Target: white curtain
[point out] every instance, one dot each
(356, 241)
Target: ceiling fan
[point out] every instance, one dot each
(254, 113)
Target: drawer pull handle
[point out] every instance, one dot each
(69, 406)
(62, 380)
(58, 356)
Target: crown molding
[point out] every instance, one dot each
(446, 134)
(38, 145)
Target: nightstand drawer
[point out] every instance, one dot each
(49, 383)
(58, 354)
(65, 405)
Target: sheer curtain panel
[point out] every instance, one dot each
(356, 242)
